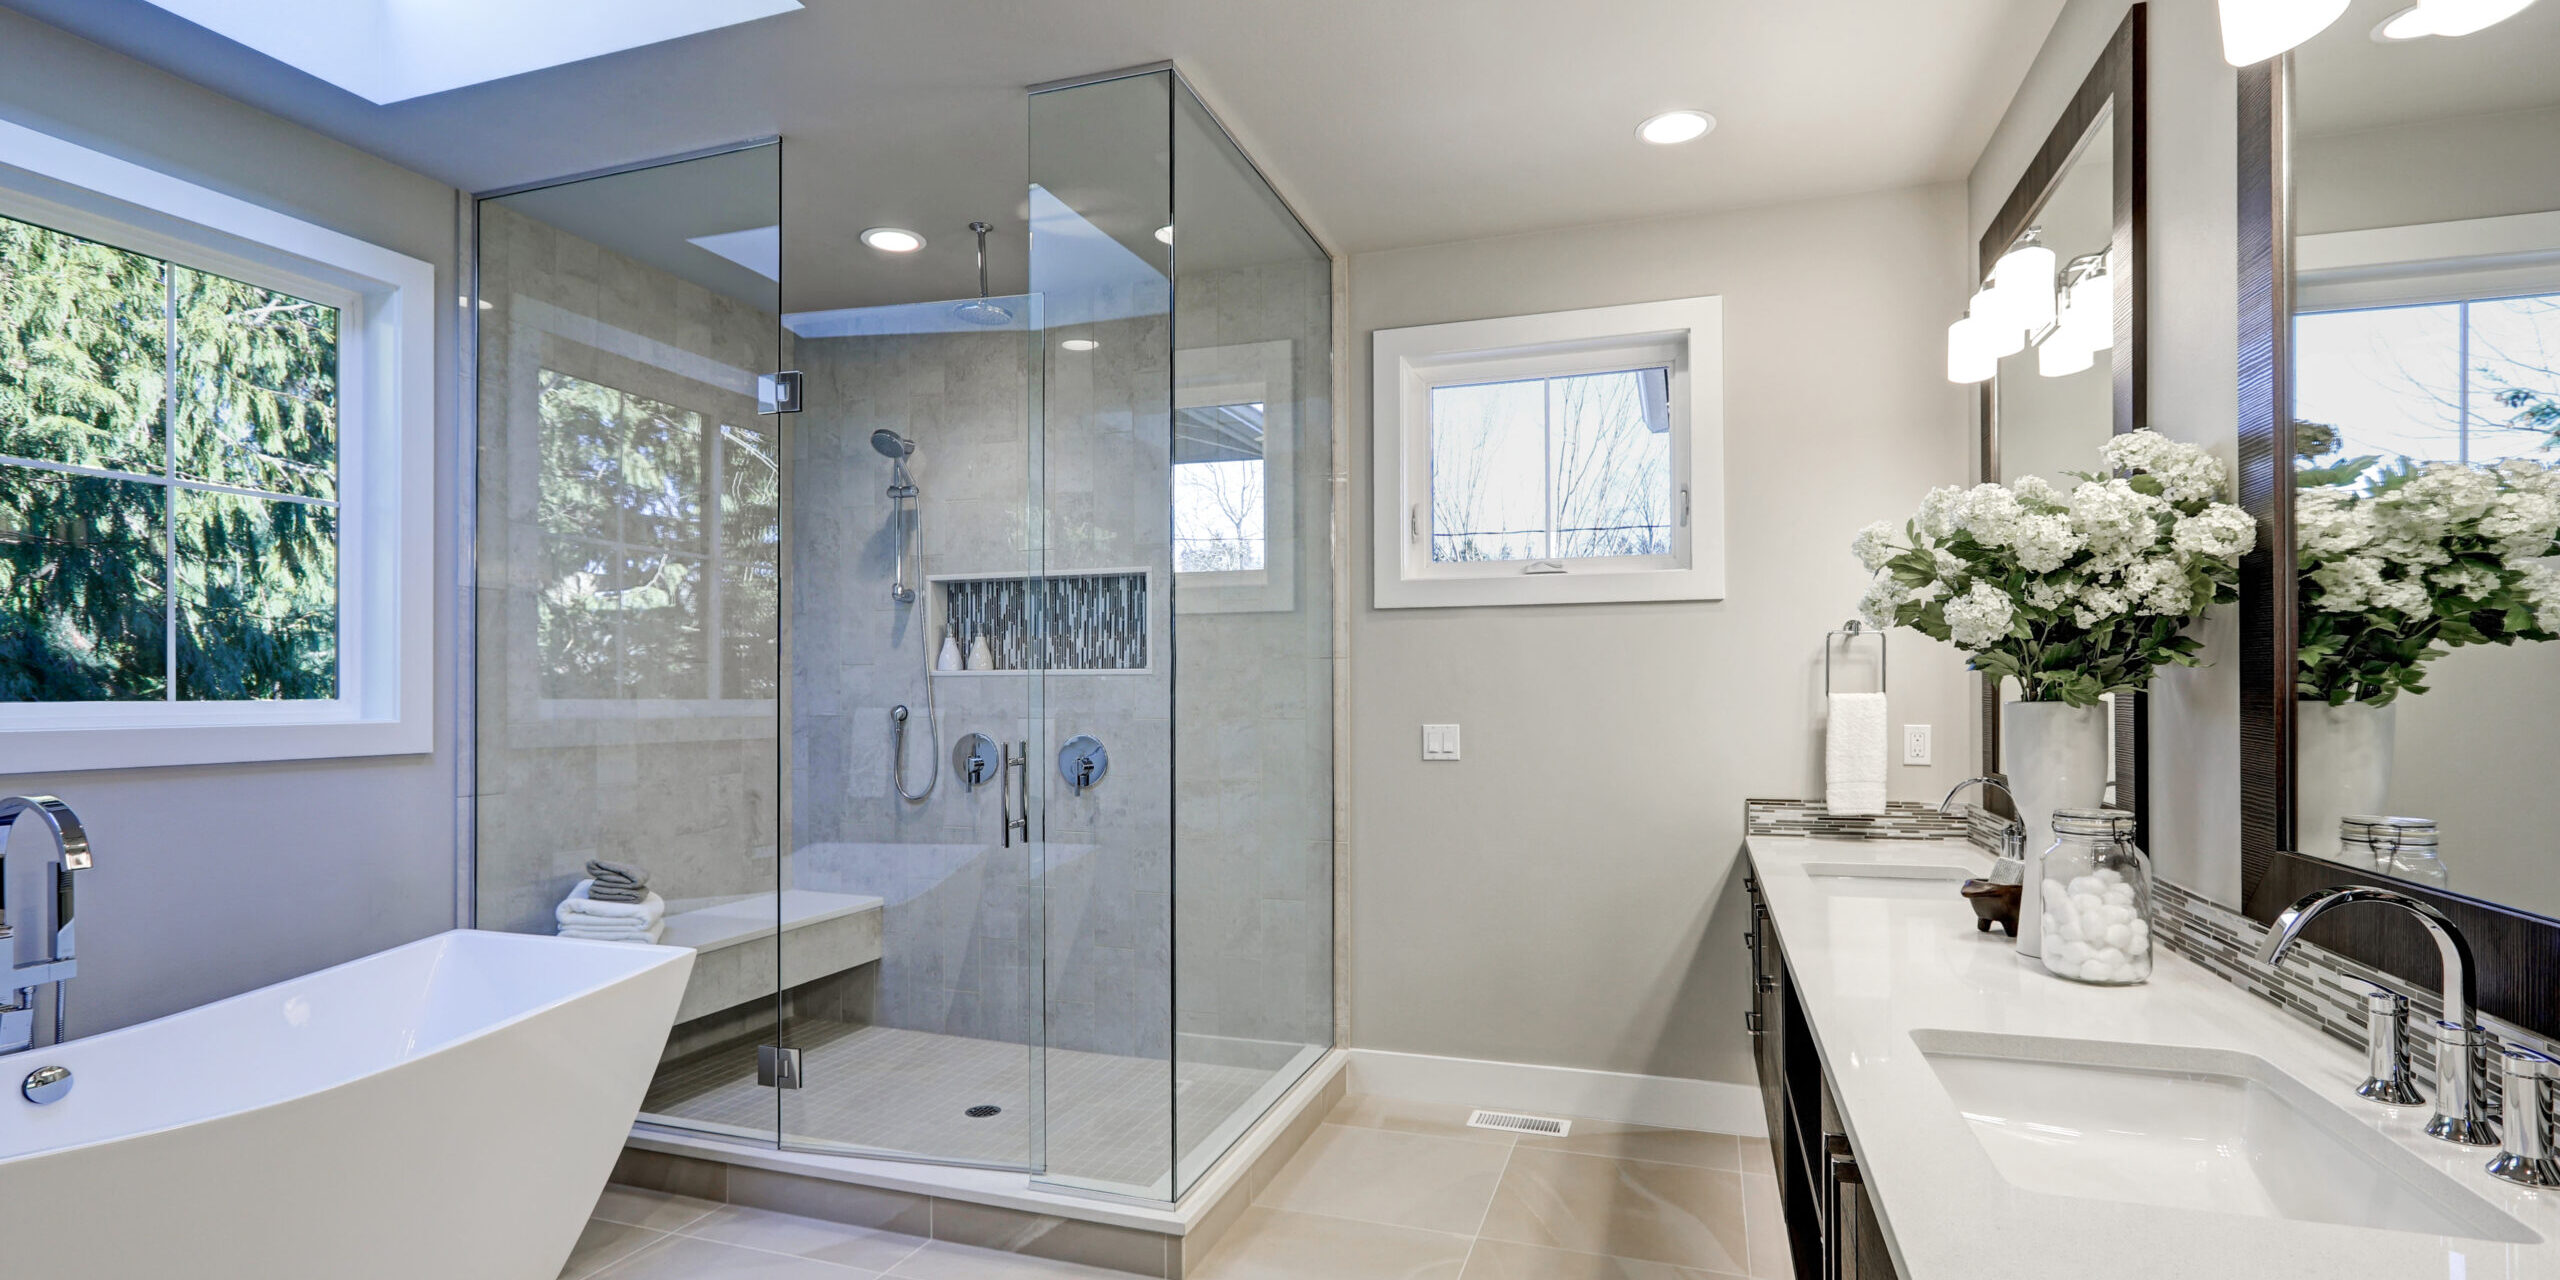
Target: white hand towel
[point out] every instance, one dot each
(1853, 754)
(579, 908)
(631, 933)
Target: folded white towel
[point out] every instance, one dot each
(629, 932)
(580, 908)
(1853, 754)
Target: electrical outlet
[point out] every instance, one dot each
(1439, 742)
(1915, 744)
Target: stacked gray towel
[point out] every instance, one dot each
(617, 881)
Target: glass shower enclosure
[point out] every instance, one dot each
(968, 706)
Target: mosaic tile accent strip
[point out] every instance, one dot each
(1902, 820)
(2316, 986)
(1083, 622)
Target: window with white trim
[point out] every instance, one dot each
(1571, 457)
(216, 479)
(1235, 481)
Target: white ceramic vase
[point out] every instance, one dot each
(2055, 756)
(2342, 766)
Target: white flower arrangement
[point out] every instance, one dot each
(2075, 594)
(2421, 560)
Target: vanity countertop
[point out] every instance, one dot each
(1872, 965)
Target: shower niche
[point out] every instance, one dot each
(1056, 624)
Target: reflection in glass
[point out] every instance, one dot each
(1613, 463)
(1218, 499)
(82, 571)
(257, 597)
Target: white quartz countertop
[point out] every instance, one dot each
(1872, 965)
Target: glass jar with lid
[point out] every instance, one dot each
(2402, 848)
(2097, 899)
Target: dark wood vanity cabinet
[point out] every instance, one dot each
(1834, 1230)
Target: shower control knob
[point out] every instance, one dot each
(977, 758)
(1083, 762)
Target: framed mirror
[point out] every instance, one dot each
(2052, 404)
(2400, 447)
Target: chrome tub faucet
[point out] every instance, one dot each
(20, 982)
(2462, 1044)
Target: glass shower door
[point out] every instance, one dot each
(627, 630)
(910, 934)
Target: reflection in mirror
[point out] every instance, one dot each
(2426, 384)
(2056, 398)
(2053, 401)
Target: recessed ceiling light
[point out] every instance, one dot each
(1165, 233)
(893, 239)
(1078, 344)
(1676, 126)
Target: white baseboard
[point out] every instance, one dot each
(1708, 1105)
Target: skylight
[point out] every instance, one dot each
(392, 50)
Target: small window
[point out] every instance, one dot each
(1556, 458)
(1235, 478)
(217, 476)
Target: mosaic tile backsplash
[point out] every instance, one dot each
(1902, 820)
(1089, 622)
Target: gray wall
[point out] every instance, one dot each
(1567, 894)
(2195, 751)
(2444, 170)
(212, 881)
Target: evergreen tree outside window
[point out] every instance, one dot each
(169, 489)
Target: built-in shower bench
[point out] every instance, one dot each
(735, 960)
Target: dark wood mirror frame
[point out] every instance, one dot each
(2520, 952)
(2118, 81)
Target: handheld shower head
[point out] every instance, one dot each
(892, 445)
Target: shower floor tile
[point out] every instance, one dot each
(906, 1092)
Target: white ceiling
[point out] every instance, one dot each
(1386, 122)
(2345, 82)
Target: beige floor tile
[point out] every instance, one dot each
(1643, 1142)
(690, 1258)
(604, 1243)
(811, 1238)
(1502, 1260)
(1271, 1244)
(1767, 1224)
(1622, 1208)
(1398, 1179)
(943, 1260)
(656, 1210)
(1440, 1120)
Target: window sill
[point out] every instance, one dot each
(60, 750)
(1574, 586)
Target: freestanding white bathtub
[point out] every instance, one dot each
(445, 1109)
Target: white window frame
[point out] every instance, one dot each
(386, 469)
(1249, 373)
(1685, 335)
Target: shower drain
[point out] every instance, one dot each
(982, 1111)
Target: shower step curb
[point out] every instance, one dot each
(995, 1209)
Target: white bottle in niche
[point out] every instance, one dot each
(981, 658)
(949, 658)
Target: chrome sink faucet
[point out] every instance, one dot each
(2462, 1044)
(2013, 835)
(19, 982)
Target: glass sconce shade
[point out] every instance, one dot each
(2256, 30)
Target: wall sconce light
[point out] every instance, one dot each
(2256, 30)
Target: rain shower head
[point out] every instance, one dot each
(892, 445)
(983, 309)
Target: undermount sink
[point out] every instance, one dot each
(2209, 1130)
(1886, 871)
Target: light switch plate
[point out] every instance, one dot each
(1915, 744)
(1439, 742)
